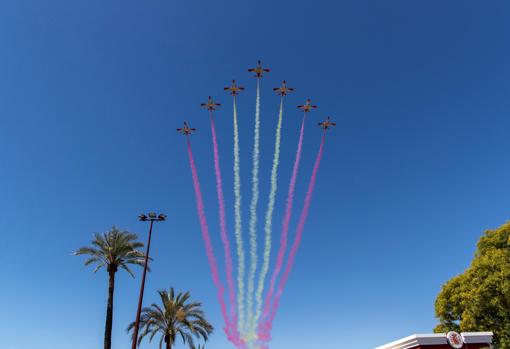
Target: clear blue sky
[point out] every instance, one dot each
(91, 93)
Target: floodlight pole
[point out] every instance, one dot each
(152, 218)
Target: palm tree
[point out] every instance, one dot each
(113, 250)
(176, 317)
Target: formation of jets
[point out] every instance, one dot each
(235, 89)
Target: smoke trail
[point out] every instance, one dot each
(266, 326)
(268, 221)
(237, 225)
(285, 223)
(207, 240)
(253, 209)
(223, 226)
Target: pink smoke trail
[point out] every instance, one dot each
(285, 223)
(209, 248)
(223, 227)
(265, 328)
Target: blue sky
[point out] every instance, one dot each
(91, 93)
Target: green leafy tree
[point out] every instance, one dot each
(112, 250)
(479, 298)
(176, 317)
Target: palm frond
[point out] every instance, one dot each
(99, 266)
(92, 260)
(126, 268)
(190, 340)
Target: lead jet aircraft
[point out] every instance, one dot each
(259, 71)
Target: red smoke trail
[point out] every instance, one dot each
(265, 328)
(208, 246)
(223, 227)
(285, 224)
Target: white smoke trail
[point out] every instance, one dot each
(253, 212)
(237, 225)
(268, 228)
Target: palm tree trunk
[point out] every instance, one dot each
(167, 345)
(109, 311)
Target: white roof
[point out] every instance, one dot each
(436, 339)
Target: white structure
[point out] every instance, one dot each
(465, 340)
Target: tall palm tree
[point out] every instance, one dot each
(175, 318)
(113, 250)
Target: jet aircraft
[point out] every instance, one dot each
(283, 90)
(234, 89)
(186, 130)
(326, 124)
(307, 106)
(259, 71)
(210, 104)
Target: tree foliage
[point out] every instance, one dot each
(112, 250)
(175, 318)
(479, 298)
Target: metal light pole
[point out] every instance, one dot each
(151, 217)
